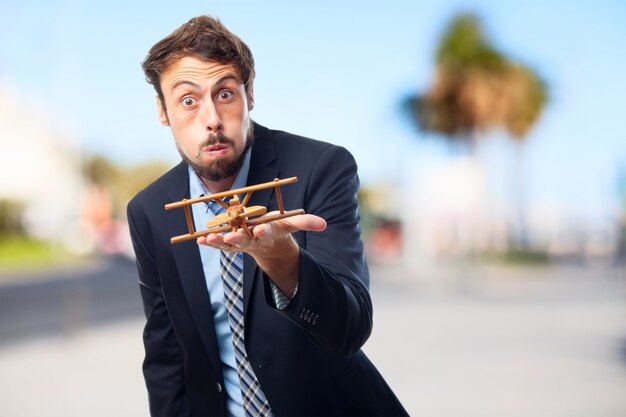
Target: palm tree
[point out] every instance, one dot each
(476, 89)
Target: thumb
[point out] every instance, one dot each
(281, 228)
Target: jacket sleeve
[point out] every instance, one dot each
(162, 366)
(333, 303)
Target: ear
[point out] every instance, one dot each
(162, 112)
(250, 97)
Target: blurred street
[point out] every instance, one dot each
(68, 301)
(464, 341)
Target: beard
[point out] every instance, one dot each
(220, 168)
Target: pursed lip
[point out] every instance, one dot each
(216, 150)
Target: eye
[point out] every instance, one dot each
(188, 101)
(225, 95)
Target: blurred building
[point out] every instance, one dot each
(447, 213)
(451, 212)
(41, 168)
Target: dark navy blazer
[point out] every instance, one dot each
(307, 357)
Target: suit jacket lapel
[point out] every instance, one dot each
(262, 169)
(189, 265)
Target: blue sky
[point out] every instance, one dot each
(336, 71)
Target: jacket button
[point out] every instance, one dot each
(218, 386)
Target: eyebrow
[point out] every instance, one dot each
(185, 82)
(198, 87)
(228, 77)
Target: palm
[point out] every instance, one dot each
(476, 89)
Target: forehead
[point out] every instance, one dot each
(197, 71)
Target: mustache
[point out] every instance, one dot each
(217, 138)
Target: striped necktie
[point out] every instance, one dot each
(254, 401)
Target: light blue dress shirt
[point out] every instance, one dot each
(211, 265)
(210, 257)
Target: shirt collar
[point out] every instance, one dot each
(198, 189)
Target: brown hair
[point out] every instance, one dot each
(202, 37)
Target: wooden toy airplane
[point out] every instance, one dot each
(237, 215)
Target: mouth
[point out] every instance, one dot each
(216, 151)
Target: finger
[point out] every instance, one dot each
(260, 231)
(307, 223)
(238, 239)
(283, 227)
(216, 241)
(202, 241)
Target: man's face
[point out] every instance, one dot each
(207, 108)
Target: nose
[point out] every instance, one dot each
(210, 116)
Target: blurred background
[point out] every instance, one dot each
(491, 145)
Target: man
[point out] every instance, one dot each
(270, 325)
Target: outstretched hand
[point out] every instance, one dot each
(273, 246)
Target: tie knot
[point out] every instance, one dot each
(216, 208)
